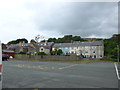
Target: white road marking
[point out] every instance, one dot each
(68, 66)
(117, 71)
(43, 67)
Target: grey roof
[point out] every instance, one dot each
(62, 45)
(45, 44)
(85, 43)
(9, 51)
(26, 44)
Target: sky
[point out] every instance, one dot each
(28, 18)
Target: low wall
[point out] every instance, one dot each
(47, 57)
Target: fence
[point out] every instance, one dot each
(47, 57)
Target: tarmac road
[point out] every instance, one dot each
(27, 74)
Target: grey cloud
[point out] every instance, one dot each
(77, 18)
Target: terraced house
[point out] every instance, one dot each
(93, 49)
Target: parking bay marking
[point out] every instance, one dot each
(117, 71)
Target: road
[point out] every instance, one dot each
(27, 74)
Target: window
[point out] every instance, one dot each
(41, 49)
(72, 52)
(42, 44)
(66, 47)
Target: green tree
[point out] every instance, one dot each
(17, 41)
(55, 51)
(77, 38)
(59, 52)
(22, 52)
(66, 39)
(52, 40)
(110, 46)
(41, 54)
(32, 41)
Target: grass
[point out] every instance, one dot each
(71, 61)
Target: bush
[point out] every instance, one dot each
(59, 52)
(41, 53)
(22, 53)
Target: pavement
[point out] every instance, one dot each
(28, 74)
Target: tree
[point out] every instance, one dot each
(66, 39)
(22, 52)
(77, 38)
(32, 41)
(52, 40)
(38, 37)
(41, 54)
(55, 51)
(59, 52)
(17, 41)
(110, 46)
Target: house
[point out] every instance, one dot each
(44, 47)
(65, 47)
(20, 47)
(14, 47)
(32, 48)
(93, 49)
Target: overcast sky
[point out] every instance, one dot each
(27, 18)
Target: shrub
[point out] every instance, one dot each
(22, 52)
(41, 53)
(59, 52)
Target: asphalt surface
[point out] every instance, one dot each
(119, 75)
(27, 74)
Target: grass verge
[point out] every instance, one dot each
(70, 61)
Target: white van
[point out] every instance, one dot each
(0, 66)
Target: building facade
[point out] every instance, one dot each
(93, 49)
(45, 47)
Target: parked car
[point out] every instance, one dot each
(5, 57)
